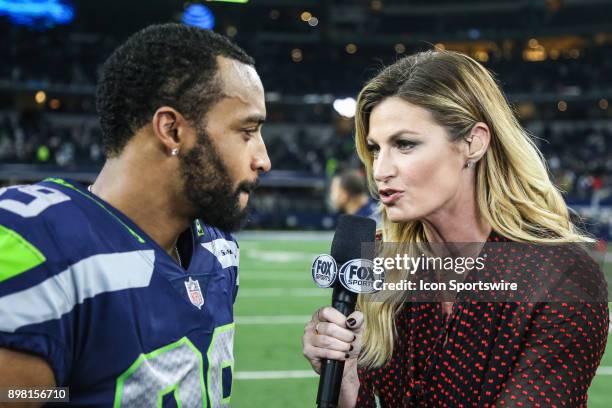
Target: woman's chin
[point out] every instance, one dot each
(397, 215)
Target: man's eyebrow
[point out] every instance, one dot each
(257, 119)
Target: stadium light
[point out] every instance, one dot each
(345, 107)
(198, 15)
(40, 97)
(37, 13)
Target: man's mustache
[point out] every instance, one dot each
(248, 186)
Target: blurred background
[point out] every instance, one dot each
(553, 59)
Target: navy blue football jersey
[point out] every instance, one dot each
(118, 320)
(370, 210)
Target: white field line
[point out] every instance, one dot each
(604, 370)
(302, 319)
(274, 375)
(287, 319)
(282, 292)
(275, 277)
(283, 319)
(256, 236)
(279, 257)
(279, 375)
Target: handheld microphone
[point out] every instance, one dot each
(355, 273)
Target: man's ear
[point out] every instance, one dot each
(477, 142)
(169, 127)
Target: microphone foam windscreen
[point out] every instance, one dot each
(351, 232)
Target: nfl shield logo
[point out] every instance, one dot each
(194, 293)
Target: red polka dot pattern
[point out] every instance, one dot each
(495, 354)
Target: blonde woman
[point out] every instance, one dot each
(450, 164)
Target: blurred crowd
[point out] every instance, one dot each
(579, 157)
(30, 139)
(580, 160)
(60, 57)
(306, 137)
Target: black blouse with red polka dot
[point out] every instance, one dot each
(495, 354)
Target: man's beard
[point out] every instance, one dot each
(209, 187)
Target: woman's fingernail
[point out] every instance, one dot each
(350, 321)
(346, 355)
(351, 349)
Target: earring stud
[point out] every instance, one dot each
(469, 164)
(174, 151)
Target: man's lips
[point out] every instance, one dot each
(247, 187)
(389, 196)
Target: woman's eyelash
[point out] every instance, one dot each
(405, 143)
(400, 144)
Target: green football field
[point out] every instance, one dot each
(275, 300)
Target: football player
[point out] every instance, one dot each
(123, 291)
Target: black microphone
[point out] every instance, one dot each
(352, 231)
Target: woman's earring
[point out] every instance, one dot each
(469, 164)
(174, 151)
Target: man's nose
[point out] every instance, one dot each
(261, 161)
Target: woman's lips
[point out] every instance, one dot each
(389, 196)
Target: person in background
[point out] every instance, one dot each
(349, 194)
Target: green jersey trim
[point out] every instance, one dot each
(66, 184)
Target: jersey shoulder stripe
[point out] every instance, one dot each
(60, 293)
(30, 246)
(221, 244)
(46, 228)
(225, 251)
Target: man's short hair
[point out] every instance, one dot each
(167, 64)
(353, 182)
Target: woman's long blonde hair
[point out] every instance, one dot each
(514, 193)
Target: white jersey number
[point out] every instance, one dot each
(43, 198)
(177, 369)
(220, 355)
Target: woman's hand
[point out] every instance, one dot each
(331, 335)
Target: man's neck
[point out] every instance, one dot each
(142, 195)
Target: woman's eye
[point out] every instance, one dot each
(405, 144)
(373, 149)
